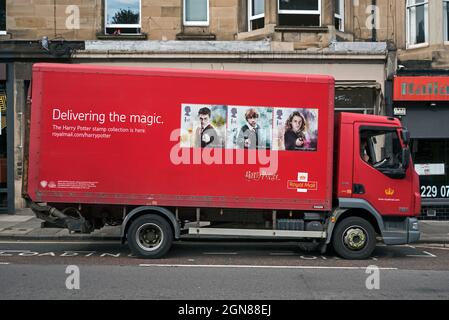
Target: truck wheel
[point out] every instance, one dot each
(354, 238)
(149, 236)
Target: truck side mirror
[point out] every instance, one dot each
(405, 158)
(405, 136)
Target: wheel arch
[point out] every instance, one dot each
(141, 211)
(355, 208)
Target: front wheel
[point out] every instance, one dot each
(354, 238)
(150, 236)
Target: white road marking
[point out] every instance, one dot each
(427, 255)
(4, 263)
(252, 267)
(432, 255)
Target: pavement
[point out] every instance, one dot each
(25, 226)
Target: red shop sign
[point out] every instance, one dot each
(421, 88)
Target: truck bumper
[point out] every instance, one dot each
(401, 232)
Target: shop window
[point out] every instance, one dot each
(339, 14)
(2, 17)
(301, 13)
(356, 100)
(256, 14)
(123, 17)
(417, 22)
(446, 20)
(196, 12)
(431, 159)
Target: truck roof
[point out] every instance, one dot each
(349, 117)
(170, 72)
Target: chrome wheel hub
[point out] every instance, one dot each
(355, 238)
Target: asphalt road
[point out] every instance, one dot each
(219, 271)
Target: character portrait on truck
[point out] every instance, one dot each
(251, 129)
(207, 129)
(323, 192)
(297, 130)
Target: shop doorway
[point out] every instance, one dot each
(3, 150)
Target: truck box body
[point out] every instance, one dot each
(129, 136)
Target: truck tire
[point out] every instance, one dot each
(150, 236)
(354, 238)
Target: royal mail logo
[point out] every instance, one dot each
(309, 185)
(389, 192)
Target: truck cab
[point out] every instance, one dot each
(375, 180)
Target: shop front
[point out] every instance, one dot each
(4, 187)
(422, 103)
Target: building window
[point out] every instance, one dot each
(123, 16)
(302, 13)
(417, 22)
(196, 12)
(339, 15)
(446, 20)
(256, 14)
(2, 17)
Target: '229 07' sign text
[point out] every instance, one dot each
(435, 191)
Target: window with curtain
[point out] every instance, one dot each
(300, 13)
(417, 22)
(256, 14)
(122, 16)
(339, 14)
(2, 16)
(196, 12)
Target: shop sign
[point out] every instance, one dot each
(421, 88)
(430, 169)
(400, 111)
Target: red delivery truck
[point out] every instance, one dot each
(167, 152)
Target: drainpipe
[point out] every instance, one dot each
(374, 13)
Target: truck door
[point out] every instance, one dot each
(377, 170)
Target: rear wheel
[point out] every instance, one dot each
(150, 236)
(354, 238)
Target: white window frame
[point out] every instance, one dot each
(3, 32)
(112, 26)
(194, 23)
(299, 12)
(426, 24)
(445, 21)
(251, 17)
(341, 15)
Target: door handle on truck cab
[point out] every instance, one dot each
(358, 189)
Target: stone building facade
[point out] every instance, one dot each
(356, 41)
